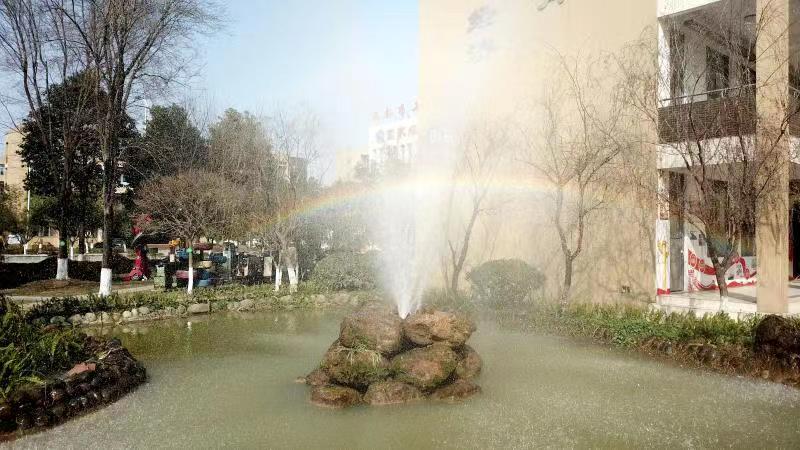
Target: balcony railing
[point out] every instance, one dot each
(736, 91)
(708, 115)
(718, 113)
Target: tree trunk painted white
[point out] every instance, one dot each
(71, 252)
(190, 285)
(62, 269)
(105, 282)
(723, 303)
(292, 270)
(278, 276)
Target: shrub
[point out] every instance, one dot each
(28, 353)
(13, 275)
(443, 299)
(346, 271)
(504, 281)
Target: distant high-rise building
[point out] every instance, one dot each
(393, 136)
(348, 163)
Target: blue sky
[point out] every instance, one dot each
(342, 58)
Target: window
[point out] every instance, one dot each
(748, 75)
(717, 73)
(677, 52)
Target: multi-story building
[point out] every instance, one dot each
(393, 136)
(496, 59)
(727, 76)
(12, 169)
(348, 163)
(12, 175)
(292, 168)
(728, 121)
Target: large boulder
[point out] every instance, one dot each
(332, 396)
(391, 393)
(456, 391)
(428, 327)
(374, 329)
(469, 366)
(355, 367)
(246, 305)
(425, 367)
(317, 377)
(778, 336)
(197, 308)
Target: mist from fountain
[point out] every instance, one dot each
(409, 231)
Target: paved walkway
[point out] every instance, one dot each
(741, 301)
(26, 299)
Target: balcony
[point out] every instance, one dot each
(715, 114)
(708, 115)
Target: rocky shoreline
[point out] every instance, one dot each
(774, 356)
(147, 313)
(380, 359)
(108, 374)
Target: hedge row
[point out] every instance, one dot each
(13, 275)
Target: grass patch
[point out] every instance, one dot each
(628, 326)
(633, 325)
(624, 325)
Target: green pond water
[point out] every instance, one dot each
(228, 381)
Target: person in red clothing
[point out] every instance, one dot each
(141, 266)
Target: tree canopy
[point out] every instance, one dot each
(171, 142)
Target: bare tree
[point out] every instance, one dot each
(479, 155)
(573, 144)
(295, 148)
(191, 205)
(131, 45)
(37, 48)
(697, 89)
(241, 150)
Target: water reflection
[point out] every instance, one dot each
(228, 381)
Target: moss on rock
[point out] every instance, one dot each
(425, 367)
(357, 367)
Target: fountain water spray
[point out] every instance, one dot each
(409, 235)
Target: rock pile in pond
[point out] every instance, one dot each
(381, 359)
(109, 373)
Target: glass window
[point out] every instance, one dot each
(677, 51)
(717, 73)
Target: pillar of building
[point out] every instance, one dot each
(772, 100)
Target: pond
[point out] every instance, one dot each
(228, 380)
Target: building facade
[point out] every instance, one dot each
(12, 169)
(12, 175)
(491, 58)
(393, 136)
(728, 120)
(348, 163)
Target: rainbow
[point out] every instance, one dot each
(342, 194)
